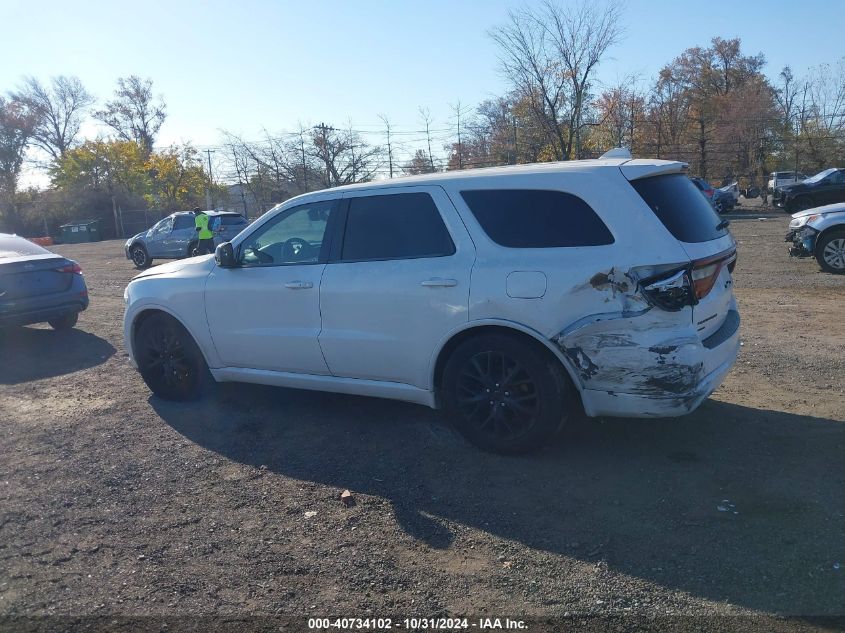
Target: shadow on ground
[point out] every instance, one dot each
(642, 495)
(28, 353)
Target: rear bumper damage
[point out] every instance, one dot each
(641, 366)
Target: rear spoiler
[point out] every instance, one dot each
(645, 168)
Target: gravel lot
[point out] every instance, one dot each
(112, 501)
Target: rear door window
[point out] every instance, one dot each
(680, 207)
(536, 218)
(394, 226)
(184, 222)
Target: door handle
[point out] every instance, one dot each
(299, 285)
(439, 282)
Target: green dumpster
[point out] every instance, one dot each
(81, 231)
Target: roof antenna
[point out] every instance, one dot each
(617, 152)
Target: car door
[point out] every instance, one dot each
(155, 241)
(832, 189)
(176, 243)
(396, 284)
(265, 312)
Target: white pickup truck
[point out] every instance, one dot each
(781, 178)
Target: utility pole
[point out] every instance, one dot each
(389, 146)
(208, 198)
(324, 131)
(302, 148)
(515, 146)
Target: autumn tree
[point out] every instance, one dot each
(420, 163)
(177, 178)
(134, 114)
(17, 124)
(59, 110)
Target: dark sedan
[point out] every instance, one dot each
(826, 187)
(37, 286)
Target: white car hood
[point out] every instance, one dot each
(828, 208)
(203, 263)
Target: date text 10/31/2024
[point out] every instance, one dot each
(416, 624)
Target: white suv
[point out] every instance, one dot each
(509, 297)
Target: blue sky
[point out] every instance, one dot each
(251, 64)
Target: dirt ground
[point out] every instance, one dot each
(114, 502)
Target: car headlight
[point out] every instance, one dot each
(797, 223)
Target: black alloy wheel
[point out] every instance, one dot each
(169, 360)
(140, 257)
(503, 395)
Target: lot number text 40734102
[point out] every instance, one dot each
(416, 624)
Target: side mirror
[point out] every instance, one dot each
(224, 255)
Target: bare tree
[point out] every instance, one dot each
(58, 109)
(550, 55)
(134, 114)
(344, 154)
(582, 34)
(425, 117)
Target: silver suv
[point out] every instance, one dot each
(175, 236)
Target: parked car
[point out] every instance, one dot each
(724, 198)
(38, 286)
(704, 187)
(784, 178)
(826, 187)
(820, 233)
(508, 297)
(175, 236)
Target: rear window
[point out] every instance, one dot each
(534, 218)
(13, 246)
(680, 207)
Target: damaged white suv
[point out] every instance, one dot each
(509, 297)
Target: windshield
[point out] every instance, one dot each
(821, 175)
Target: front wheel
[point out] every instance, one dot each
(169, 359)
(504, 396)
(830, 252)
(64, 322)
(801, 203)
(140, 257)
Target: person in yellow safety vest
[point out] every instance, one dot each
(205, 235)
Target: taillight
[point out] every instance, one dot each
(704, 272)
(671, 291)
(73, 267)
(687, 286)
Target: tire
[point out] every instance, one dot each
(801, 203)
(520, 419)
(64, 322)
(140, 257)
(193, 249)
(830, 252)
(169, 360)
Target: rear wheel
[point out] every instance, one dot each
(64, 322)
(140, 257)
(193, 249)
(830, 252)
(504, 396)
(169, 359)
